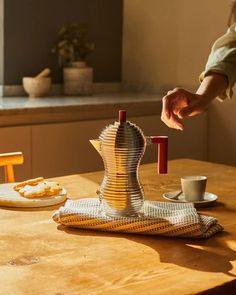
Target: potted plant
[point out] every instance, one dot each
(72, 48)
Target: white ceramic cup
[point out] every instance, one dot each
(193, 187)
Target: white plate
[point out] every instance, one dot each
(11, 198)
(178, 197)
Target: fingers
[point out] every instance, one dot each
(173, 122)
(193, 109)
(171, 105)
(179, 104)
(166, 109)
(185, 112)
(167, 102)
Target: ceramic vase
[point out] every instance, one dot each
(78, 79)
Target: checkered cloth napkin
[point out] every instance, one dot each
(156, 218)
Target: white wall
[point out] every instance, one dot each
(166, 42)
(222, 132)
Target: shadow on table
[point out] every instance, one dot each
(209, 255)
(218, 205)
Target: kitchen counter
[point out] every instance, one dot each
(16, 111)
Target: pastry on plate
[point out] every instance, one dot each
(37, 188)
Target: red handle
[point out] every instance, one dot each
(162, 142)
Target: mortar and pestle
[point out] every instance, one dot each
(39, 85)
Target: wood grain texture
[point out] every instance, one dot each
(41, 257)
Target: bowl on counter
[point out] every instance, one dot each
(37, 87)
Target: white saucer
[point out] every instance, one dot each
(178, 197)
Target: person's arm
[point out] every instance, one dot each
(216, 81)
(222, 60)
(179, 103)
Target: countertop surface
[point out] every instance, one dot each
(24, 110)
(13, 104)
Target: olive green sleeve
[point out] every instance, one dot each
(222, 59)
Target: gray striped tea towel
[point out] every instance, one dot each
(156, 218)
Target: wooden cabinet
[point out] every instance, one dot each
(61, 149)
(64, 148)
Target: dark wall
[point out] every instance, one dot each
(31, 26)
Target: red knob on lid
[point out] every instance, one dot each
(122, 116)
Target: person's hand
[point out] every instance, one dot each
(179, 104)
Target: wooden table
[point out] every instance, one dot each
(40, 257)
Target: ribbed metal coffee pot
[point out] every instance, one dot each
(122, 146)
